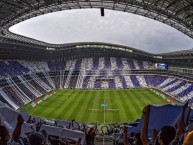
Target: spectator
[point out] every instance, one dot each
(17, 130)
(137, 139)
(4, 135)
(90, 134)
(37, 139)
(165, 136)
(189, 139)
(181, 127)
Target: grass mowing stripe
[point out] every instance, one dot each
(77, 105)
(124, 105)
(152, 98)
(70, 108)
(66, 106)
(83, 111)
(134, 104)
(114, 115)
(57, 106)
(100, 101)
(142, 99)
(158, 99)
(119, 102)
(107, 100)
(95, 104)
(146, 97)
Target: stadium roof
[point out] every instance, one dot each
(175, 13)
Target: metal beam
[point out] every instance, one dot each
(11, 3)
(172, 3)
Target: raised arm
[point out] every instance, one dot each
(125, 135)
(78, 142)
(4, 135)
(188, 117)
(17, 130)
(144, 130)
(181, 127)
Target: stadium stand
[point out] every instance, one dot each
(25, 81)
(34, 79)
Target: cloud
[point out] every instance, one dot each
(116, 27)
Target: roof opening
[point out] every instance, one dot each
(115, 27)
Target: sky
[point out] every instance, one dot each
(87, 25)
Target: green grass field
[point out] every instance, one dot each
(85, 105)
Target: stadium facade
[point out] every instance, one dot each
(29, 68)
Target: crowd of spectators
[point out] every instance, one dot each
(45, 132)
(179, 134)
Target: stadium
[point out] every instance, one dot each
(67, 89)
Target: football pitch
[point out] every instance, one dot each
(89, 106)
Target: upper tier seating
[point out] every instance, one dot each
(11, 68)
(20, 67)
